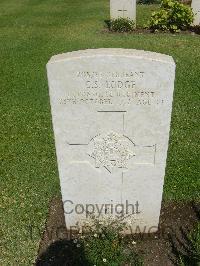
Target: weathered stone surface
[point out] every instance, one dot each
(123, 9)
(196, 10)
(111, 111)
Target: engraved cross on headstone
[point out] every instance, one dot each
(112, 150)
(123, 11)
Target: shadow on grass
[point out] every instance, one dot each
(186, 245)
(62, 253)
(195, 29)
(107, 24)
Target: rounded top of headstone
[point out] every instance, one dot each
(139, 54)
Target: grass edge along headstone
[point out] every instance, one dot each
(111, 112)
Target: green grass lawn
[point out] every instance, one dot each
(31, 31)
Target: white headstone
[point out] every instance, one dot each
(196, 10)
(123, 9)
(111, 111)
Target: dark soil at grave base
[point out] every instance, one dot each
(156, 249)
(192, 31)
